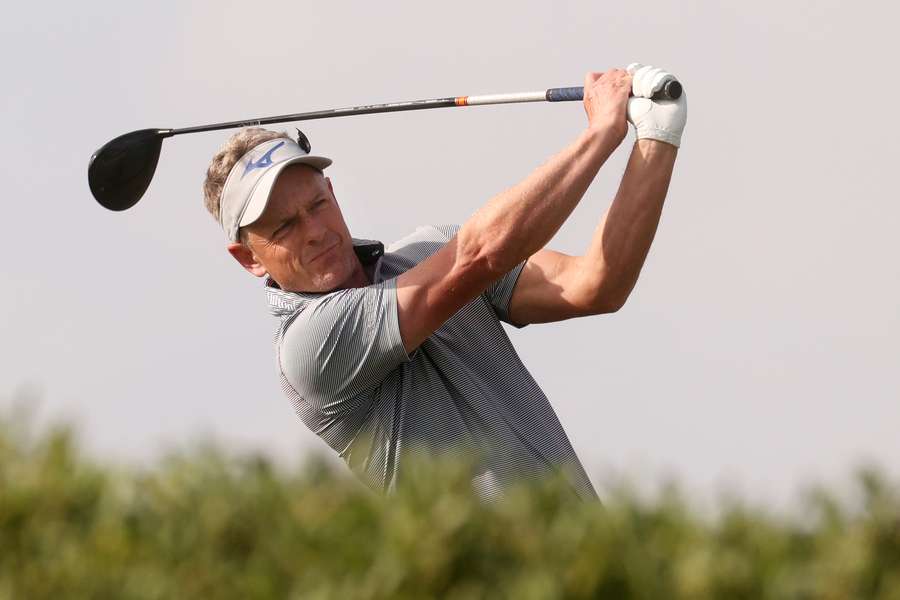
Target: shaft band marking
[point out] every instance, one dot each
(540, 96)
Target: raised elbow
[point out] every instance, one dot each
(605, 304)
(603, 297)
(610, 305)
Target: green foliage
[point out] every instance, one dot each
(203, 524)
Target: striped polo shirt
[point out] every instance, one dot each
(344, 368)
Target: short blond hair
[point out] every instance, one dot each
(237, 145)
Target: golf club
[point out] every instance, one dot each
(120, 171)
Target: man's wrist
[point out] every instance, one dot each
(651, 149)
(605, 138)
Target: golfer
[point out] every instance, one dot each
(390, 353)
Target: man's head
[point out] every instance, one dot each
(280, 213)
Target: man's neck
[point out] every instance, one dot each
(362, 276)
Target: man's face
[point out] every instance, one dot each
(301, 238)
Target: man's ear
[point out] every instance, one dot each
(330, 188)
(247, 258)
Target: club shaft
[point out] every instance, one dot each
(368, 109)
(671, 90)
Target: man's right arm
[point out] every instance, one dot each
(516, 223)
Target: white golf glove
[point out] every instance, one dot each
(662, 120)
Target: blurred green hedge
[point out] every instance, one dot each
(203, 524)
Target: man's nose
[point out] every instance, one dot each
(315, 229)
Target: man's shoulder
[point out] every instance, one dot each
(324, 341)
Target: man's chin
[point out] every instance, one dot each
(329, 284)
(330, 281)
(334, 276)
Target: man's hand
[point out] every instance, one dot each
(661, 120)
(605, 98)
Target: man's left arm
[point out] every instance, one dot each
(554, 286)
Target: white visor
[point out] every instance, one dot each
(251, 179)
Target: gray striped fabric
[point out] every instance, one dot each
(344, 368)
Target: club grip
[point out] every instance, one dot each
(670, 91)
(566, 94)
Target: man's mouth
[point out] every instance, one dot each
(323, 252)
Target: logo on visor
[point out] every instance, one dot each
(264, 161)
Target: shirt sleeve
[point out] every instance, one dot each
(342, 345)
(500, 292)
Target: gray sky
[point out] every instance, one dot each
(759, 350)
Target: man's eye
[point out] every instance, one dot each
(283, 229)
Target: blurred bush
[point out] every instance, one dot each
(204, 524)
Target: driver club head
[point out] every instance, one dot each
(120, 171)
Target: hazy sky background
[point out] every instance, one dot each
(760, 348)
